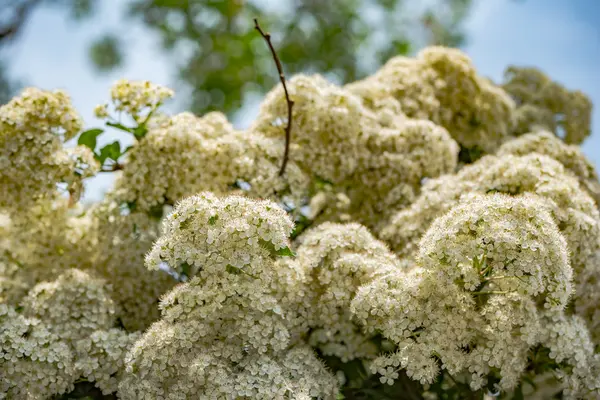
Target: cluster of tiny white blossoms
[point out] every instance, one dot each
(34, 363)
(501, 233)
(33, 129)
(186, 155)
(37, 243)
(206, 273)
(543, 104)
(63, 331)
(442, 85)
(100, 357)
(338, 259)
(365, 153)
(352, 149)
(327, 122)
(569, 344)
(570, 156)
(587, 294)
(73, 306)
(245, 234)
(119, 239)
(492, 280)
(533, 173)
(177, 158)
(232, 323)
(399, 157)
(136, 98)
(574, 210)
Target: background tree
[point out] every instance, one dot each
(219, 56)
(7, 86)
(14, 15)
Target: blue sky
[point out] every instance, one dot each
(562, 37)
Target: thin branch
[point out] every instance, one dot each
(21, 13)
(290, 103)
(112, 168)
(492, 292)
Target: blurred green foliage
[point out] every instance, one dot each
(219, 56)
(222, 58)
(7, 86)
(106, 53)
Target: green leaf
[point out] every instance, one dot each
(140, 131)
(518, 394)
(156, 211)
(301, 224)
(130, 205)
(112, 151)
(283, 252)
(119, 125)
(186, 269)
(238, 271)
(88, 138)
(213, 220)
(322, 183)
(530, 382)
(402, 47)
(233, 270)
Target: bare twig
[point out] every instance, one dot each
(21, 12)
(290, 103)
(111, 168)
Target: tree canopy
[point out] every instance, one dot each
(216, 52)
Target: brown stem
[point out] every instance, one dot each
(290, 103)
(112, 168)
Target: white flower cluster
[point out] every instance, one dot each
(570, 156)
(576, 212)
(63, 331)
(374, 158)
(33, 129)
(492, 280)
(106, 239)
(13, 285)
(336, 138)
(136, 98)
(185, 155)
(73, 306)
(120, 240)
(587, 296)
(327, 125)
(232, 324)
(504, 235)
(337, 260)
(569, 344)
(100, 357)
(543, 104)
(205, 273)
(570, 205)
(35, 364)
(442, 85)
(243, 233)
(41, 244)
